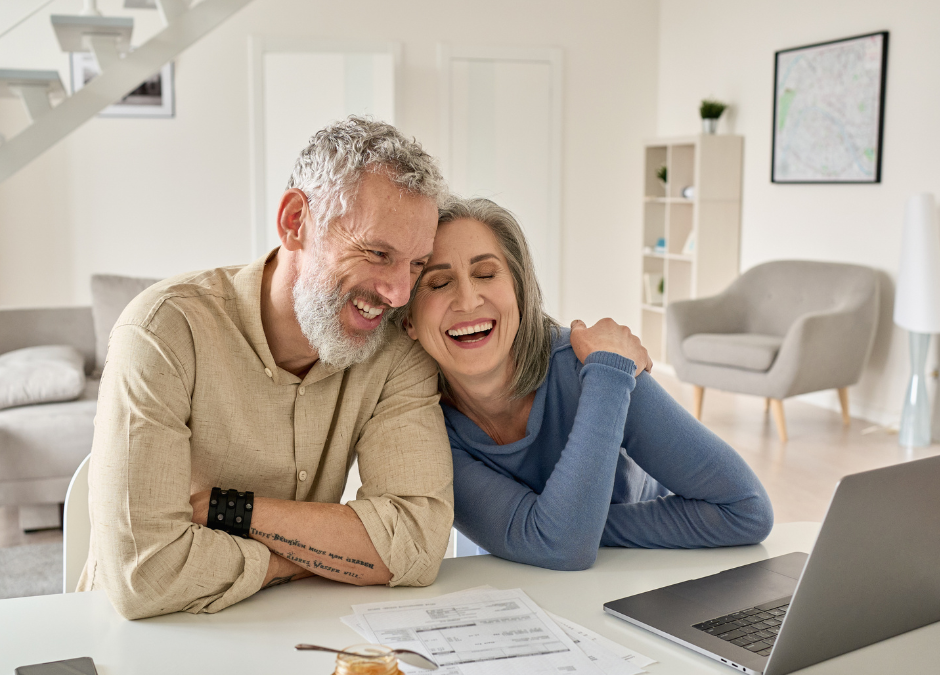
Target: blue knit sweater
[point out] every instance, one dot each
(608, 459)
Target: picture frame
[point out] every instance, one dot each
(154, 97)
(829, 101)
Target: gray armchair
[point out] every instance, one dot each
(781, 329)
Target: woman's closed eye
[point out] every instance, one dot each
(436, 281)
(485, 270)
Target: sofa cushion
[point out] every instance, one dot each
(41, 375)
(41, 442)
(110, 294)
(748, 351)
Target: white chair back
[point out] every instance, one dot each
(76, 528)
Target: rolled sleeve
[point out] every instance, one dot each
(149, 557)
(406, 502)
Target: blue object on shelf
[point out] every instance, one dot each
(660, 245)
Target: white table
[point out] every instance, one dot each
(257, 635)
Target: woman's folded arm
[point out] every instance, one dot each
(560, 528)
(717, 499)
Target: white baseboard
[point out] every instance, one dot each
(829, 400)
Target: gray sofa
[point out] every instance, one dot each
(42, 445)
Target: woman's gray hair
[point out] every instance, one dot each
(532, 348)
(330, 169)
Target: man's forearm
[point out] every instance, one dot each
(329, 540)
(282, 571)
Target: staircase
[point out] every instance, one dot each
(54, 115)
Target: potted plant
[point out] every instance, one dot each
(711, 110)
(662, 174)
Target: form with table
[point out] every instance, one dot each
(258, 634)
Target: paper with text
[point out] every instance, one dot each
(477, 633)
(609, 656)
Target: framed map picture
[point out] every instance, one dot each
(829, 101)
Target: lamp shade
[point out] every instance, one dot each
(917, 298)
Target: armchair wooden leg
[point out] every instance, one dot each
(698, 394)
(776, 405)
(844, 400)
(766, 405)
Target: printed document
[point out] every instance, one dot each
(609, 656)
(477, 633)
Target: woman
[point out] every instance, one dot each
(559, 446)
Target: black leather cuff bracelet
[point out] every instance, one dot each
(230, 511)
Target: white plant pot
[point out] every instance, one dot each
(709, 126)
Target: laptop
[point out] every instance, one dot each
(873, 573)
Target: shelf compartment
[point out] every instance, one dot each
(681, 169)
(656, 156)
(680, 227)
(654, 223)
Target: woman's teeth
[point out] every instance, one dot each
(484, 326)
(367, 310)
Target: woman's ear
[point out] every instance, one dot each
(409, 328)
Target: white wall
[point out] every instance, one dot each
(725, 49)
(157, 197)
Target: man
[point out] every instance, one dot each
(271, 378)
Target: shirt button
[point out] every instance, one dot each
(301, 391)
(302, 475)
(267, 371)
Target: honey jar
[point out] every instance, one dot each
(375, 660)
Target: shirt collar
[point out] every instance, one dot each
(247, 283)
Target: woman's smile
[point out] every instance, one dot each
(472, 334)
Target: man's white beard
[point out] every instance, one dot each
(318, 302)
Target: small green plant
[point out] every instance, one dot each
(711, 109)
(662, 286)
(661, 173)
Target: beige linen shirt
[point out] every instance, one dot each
(191, 398)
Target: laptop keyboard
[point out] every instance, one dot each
(755, 629)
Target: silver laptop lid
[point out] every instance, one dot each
(875, 569)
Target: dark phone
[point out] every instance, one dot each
(80, 666)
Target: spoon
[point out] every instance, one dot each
(406, 655)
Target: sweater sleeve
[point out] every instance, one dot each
(560, 528)
(717, 500)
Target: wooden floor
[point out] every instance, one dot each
(800, 475)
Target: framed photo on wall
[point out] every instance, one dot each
(829, 101)
(152, 98)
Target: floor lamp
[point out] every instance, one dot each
(917, 309)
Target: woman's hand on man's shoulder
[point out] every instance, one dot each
(608, 336)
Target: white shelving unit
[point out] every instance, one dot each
(711, 165)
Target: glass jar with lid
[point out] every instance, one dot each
(373, 660)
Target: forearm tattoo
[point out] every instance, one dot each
(309, 564)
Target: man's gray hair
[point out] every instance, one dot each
(330, 169)
(532, 347)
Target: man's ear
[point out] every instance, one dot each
(292, 219)
(410, 329)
